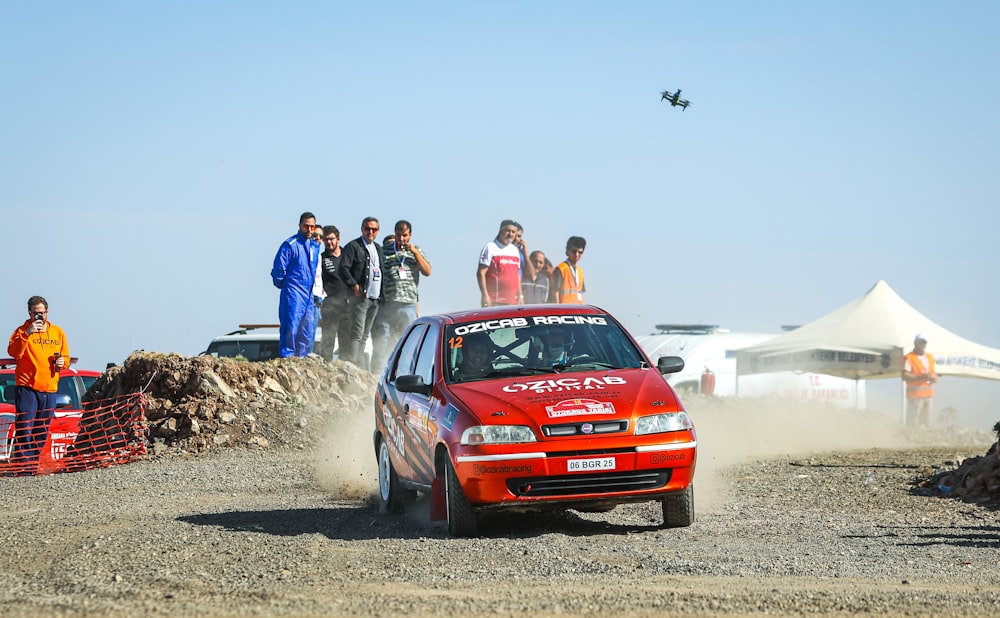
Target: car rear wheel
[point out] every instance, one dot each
(392, 496)
(462, 518)
(678, 508)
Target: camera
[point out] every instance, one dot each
(39, 317)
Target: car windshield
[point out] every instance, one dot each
(537, 345)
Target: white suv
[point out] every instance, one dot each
(249, 342)
(260, 342)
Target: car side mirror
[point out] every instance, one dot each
(63, 401)
(670, 364)
(412, 384)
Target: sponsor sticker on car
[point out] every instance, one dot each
(579, 407)
(590, 464)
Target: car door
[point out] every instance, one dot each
(423, 408)
(403, 431)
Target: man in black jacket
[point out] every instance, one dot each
(362, 271)
(334, 310)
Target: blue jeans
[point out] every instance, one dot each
(390, 323)
(360, 317)
(34, 413)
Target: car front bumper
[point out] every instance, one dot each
(530, 475)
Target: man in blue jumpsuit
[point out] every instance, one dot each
(294, 273)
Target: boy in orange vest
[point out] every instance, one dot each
(567, 279)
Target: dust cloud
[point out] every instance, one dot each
(345, 461)
(729, 431)
(734, 430)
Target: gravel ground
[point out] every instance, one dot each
(789, 523)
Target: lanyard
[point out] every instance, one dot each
(400, 257)
(576, 277)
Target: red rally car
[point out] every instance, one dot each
(530, 407)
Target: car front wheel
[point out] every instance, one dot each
(678, 508)
(462, 518)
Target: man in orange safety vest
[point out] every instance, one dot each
(919, 375)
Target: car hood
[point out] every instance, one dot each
(568, 397)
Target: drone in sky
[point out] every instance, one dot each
(674, 99)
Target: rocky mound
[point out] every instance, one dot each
(201, 402)
(976, 479)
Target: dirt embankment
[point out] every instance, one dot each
(198, 403)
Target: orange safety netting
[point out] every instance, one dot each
(105, 433)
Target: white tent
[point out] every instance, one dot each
(867, 338)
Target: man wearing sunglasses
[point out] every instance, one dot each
(294, 273)
(40, 350)
(362, 272)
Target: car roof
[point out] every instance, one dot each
(239, 336)
(251, 332)
(506, 311)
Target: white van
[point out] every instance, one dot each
(709, 354)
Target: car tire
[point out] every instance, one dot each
(462, 518)
(678, 508)
(392, 497)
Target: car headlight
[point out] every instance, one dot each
(662, 423)
(497, 434)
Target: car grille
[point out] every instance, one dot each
(600, 483)
(585, 429)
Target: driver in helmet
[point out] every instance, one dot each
(556, 347)
(477, 358)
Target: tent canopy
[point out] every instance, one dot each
(867, 338)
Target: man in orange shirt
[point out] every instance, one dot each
(40, 350)
(919, 375)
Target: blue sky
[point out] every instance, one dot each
(153, 156)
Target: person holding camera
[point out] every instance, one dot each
(40, 351)
(405, 263)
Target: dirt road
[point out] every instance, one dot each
(821, 531)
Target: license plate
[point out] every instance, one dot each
(588, 465)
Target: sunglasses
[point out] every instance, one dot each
(371, 229)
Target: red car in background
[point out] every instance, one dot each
(527, 408)
(73, 383)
